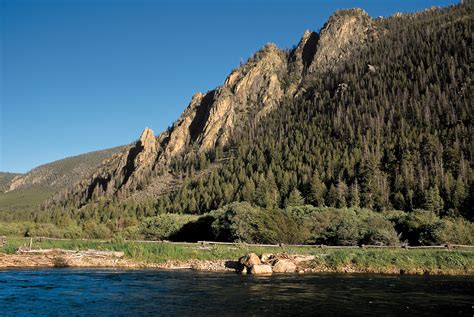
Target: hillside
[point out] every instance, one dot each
(5, 179)
(29, 190)
(372, 113)
(336, 87)
(249, 93)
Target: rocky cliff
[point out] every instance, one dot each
(248, 93)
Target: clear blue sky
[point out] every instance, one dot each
(84, 75)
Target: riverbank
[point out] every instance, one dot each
(225, 257)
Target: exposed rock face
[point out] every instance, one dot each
(210, 119)
(345, 31)
(123, 171)
(266, 257)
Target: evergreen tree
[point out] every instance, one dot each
(355, 195)
(433, 200)
(295, 198)
(317, 190)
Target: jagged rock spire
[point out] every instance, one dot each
(148, 140)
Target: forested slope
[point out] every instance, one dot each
(391, 129)
(373, 114)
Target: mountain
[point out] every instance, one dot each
(249, 93)
(366, 112)
(29, 190)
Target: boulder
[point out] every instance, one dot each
(266, 257)
(261, 269)
(284, 266)
(303, 258)
(250, 260)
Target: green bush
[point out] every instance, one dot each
(453, 231)
(417, 227)
(96, 230)
(376, 229)
(422, 227)
(12, 229)
(352, 226)
(243, 222)
(164, 226)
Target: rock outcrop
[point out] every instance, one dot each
(345, 31)
(209, 120)
(247, 95)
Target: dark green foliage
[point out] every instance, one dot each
(243, 222)
(426, 228)
(343, 226)
(397, 137)
(165, 226)
(294, 199)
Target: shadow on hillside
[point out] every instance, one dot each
(195, 231)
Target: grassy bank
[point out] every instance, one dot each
(411, 261)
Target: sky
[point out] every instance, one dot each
(83, 75)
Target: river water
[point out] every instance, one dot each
(99, 292)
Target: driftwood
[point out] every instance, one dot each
(87, 253)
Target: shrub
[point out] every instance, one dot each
(243, 222)
(417, 227)
(164, 226)
(95, 230)
(375, 229)
(12, 229)
(352, 226)
(454, 231)
(422, 227)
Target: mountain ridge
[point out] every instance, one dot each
(250, 91)
(352, 116)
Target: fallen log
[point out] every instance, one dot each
(87, 253)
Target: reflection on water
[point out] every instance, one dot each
(72, 292)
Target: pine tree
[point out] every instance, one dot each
(317, 190)
(294, 199)
(341, 194)
(459, 194)
(333, 196)
(355, 195)
(433, 200)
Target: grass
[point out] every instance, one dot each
(24, 199)
(438, 261)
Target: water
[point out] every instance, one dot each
(94, 292)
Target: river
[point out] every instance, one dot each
(107, 292)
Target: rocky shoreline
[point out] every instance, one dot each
(266, 264)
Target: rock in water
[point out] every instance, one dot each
(284, 266)
(250, 260)
(266, 257)
(262, 269)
